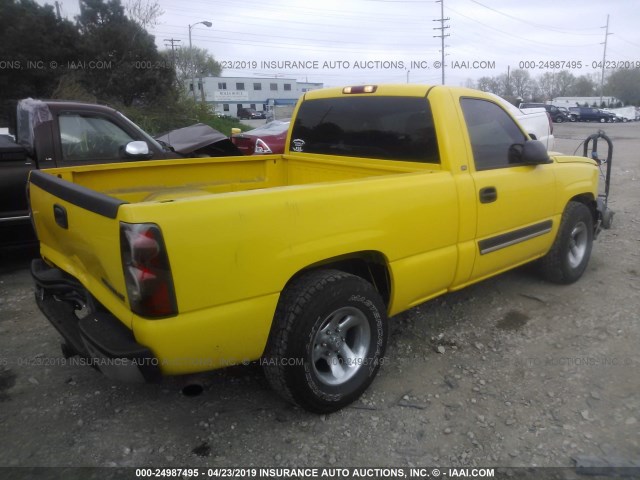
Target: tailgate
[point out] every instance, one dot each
(79, 233)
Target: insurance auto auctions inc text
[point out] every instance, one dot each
(329, 473)
(355, 64)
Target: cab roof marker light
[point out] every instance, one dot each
(360, 89)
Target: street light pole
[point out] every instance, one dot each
(193, 73)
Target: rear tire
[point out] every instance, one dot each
(327, 342)
(569, 255)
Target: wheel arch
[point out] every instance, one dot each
(370, 265)
(589, 201)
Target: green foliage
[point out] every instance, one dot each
(584, 86)
(176, 111)
(625, 85)
(105, 56)
(192, 62)
(135, 71)
(31, 39)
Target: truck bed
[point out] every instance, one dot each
(237, 228)
(162, 181)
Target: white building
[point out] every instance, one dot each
(580, 101)
(230, 94)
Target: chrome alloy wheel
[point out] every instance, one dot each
(578, 242)
(340, 346)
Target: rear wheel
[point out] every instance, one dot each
(328, 340)
(569, 255)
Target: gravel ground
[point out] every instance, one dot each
(509, 372)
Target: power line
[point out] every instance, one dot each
(512, 36)
(533, 24)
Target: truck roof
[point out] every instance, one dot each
(391, 90)
(73, 105)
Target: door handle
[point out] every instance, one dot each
(488, 195)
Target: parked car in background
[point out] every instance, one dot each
(590, 114)
(612, 116)
(557, 114)
(624, 114)
(535, 121)
(269, 138)
(250, 114)
(570, 116)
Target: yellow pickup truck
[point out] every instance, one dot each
(386, 196)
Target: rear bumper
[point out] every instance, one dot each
(99, 336)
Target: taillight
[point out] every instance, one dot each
(147, 272)
(550, 123)
(262, 147)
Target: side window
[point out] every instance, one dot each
(87, 139)
(496, 140)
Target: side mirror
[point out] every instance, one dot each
(137, 150)
(534, 153)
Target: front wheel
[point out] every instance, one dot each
(569, 255)
(327, 342)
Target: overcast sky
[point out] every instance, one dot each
(391, 34)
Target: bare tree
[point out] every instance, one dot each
(548, 85)
(144, 12)
(522, 84)
(565, 81)
(489, 84)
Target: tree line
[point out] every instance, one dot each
(519, 85)
(105, 55)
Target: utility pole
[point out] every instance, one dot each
(442, 35)
(173, 43)
(207, 24)
(604, 59)
(57, 4)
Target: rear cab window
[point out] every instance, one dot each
(376, 127)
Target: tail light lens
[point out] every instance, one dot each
(262, 147)
(147, 272)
